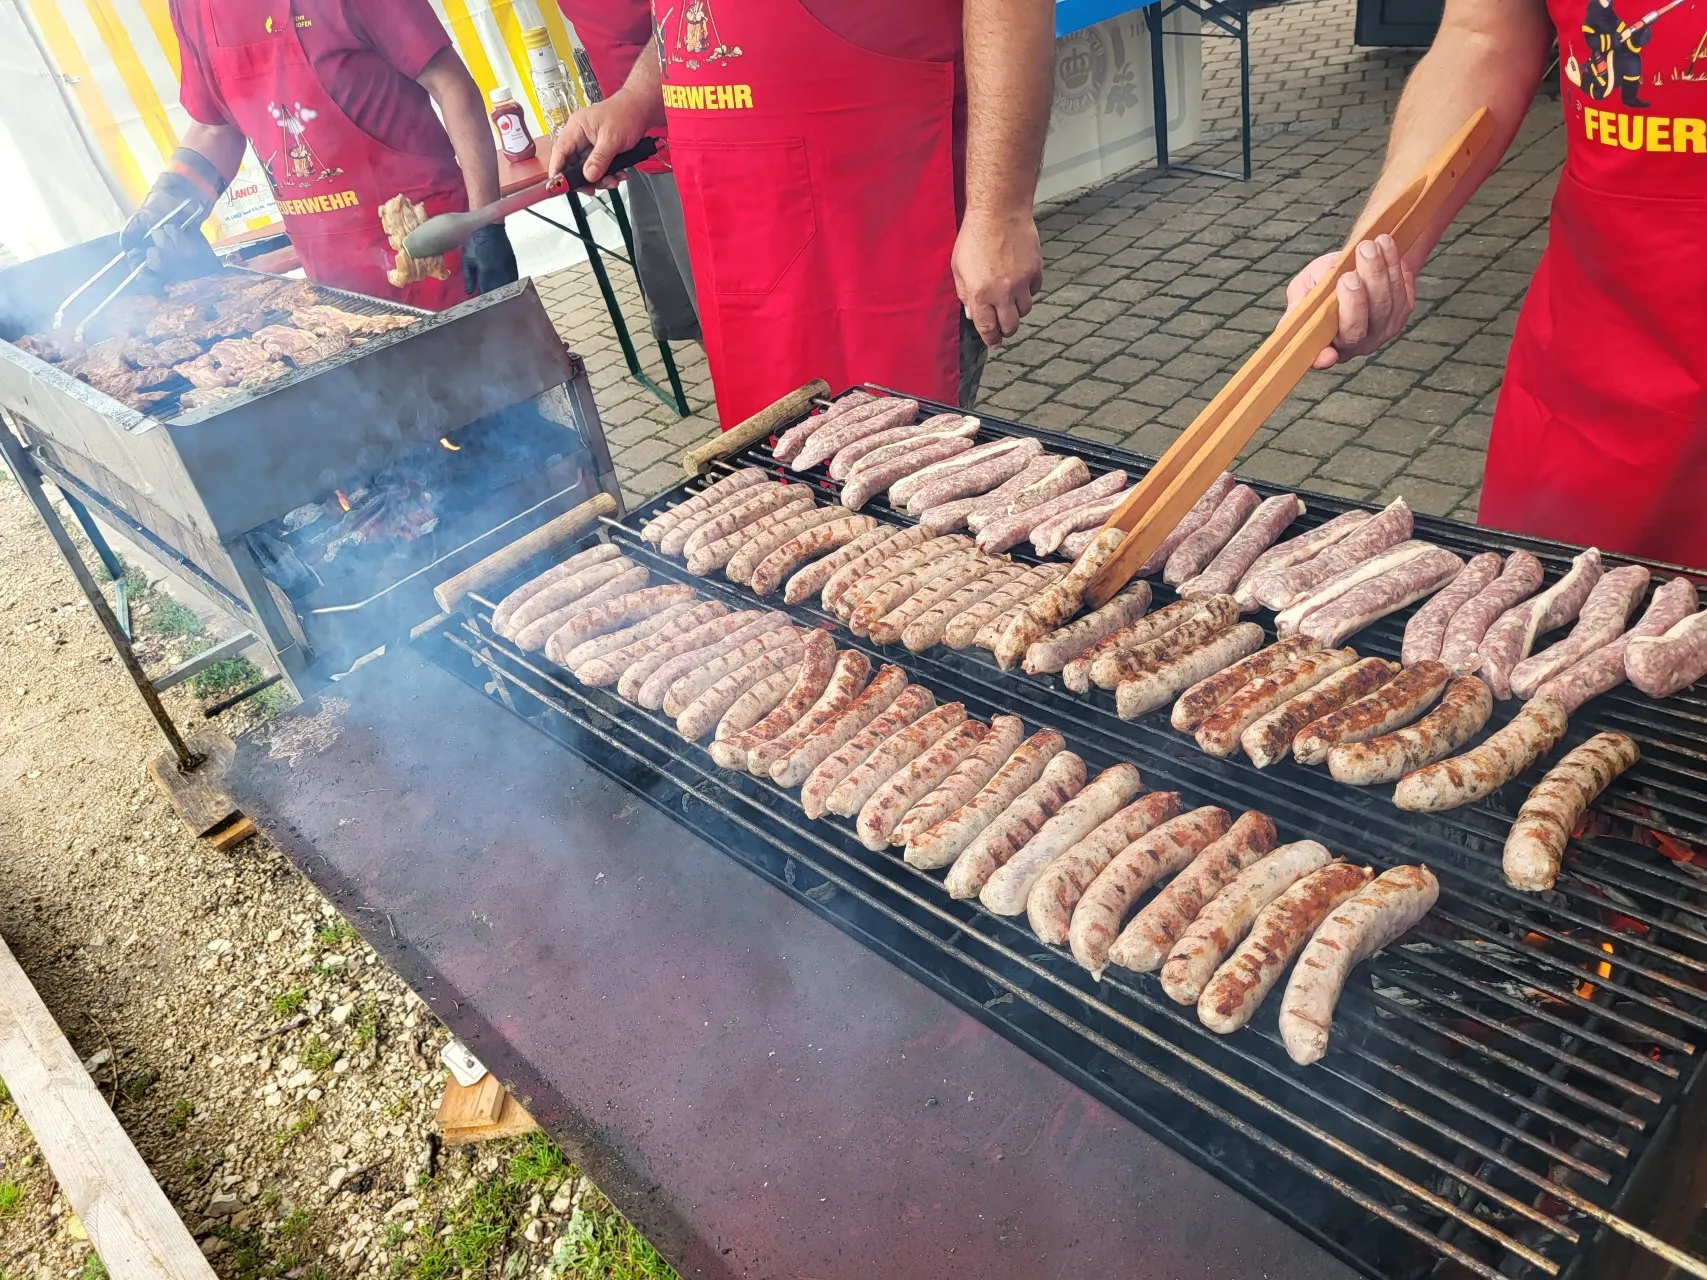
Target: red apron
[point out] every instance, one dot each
(614, 33)
(1600, 436)
(328, 176)
(818, 190)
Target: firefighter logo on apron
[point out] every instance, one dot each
(301, 167)
(697, 39)
(1614, 53)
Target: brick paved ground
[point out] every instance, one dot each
(1159, 286)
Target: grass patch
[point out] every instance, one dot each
(296, 1225)
(178, 1118)
(334, 933)
(605, 1245)
(538, 1160)
(194, 1166)
(286, 1003)
(11, 1196)
(166, 617)
(395, 1235)
(93, 1269)
(305, 1120)
(5, 1093)
(316, 1054)
(136, 1085)
(367, 1024)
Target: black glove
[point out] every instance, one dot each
(167, 224)
(181, 253)
(488, 262)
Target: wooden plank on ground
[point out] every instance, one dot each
(511, 1122)
(465, 1106)
(130, 1222)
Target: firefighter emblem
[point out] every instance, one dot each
(301, 167)
(1614, 61)
(697, 40)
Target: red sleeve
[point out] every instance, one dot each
(195, 88)
(406, 33)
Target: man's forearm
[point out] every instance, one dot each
(646, 85)
(1010, 56)
(471, 136)
(1489, 53)
(220, 145)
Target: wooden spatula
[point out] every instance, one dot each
(1208, 446)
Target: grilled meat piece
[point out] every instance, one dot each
(237, 357)
(319, 318)
(203, 396)
(178, 319)
(399, 216)
(172, 351)
(34, 344)
(204, 372)
(263, 374)
(300, 345)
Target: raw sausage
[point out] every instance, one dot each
(609, 667)
(1055, 650)
(1062, 779)
(803, 545)
(1151, 689)
(1279, 588)
(1486, 768)
(966, 780)
(1604, 668)
(1295, 551)
(1378, 914)
(1602, 620)
(533, 636)
(809, 581)
(1279, 931)
(1197, 703)
(940, 845)
(1212, 617)
(1047, 537)
(1063, 476)
(1270, 738)
(1010, 530)
(879, 816)
(1228, 917)
(1464, 708)
(950, 426)
(846, 682)
(1102, 908)
(1151, 934)
(1221, 730)
(954, 515)
(710, 632)
(1376, 597)
(867, 482)
(1397, 702)
(938, 424)
(1007, 890)
(1509, 640)
(1189, 524)
(1520, 578)
(970, 475)
(1254, 537)
(826, 444)
(653, 530)
(505, 609)
(891, 755)
(816, 747)
(1196, 550)
(1050, 904)
(1057, 603)
(1426, 631)
(1661, 665)
(614, 614)
(1350, 579)
(1535, 848)
(791, 442)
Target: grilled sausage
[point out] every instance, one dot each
(891, 594)
(1062, 779)
(533, 636)
(1604, 668)
(664, 675)
(817, 665)
(728, 626)
(1151, 934)
(823, 780)
(1056, 604)
(616, 641)
(755, 704)
(940, 845)
(737, 514)
(842, 465)
(1294, 551)
(845, 575)
(1221, 730)
(1269, 738)
(900, 748)
(1661, 665)
(1397, 702)
(1279, 931)
(609, 667)
(867, 482)
(1063, 476)
(966, 780)
(1196, 550)
(721, 552)
(934, 588)
(764, 538)
(1145, 692)
(687, 687)
(674, 539)
(505, 609)
(1197, 703)
(1050, 904)
(1426, 631)
(1190, 523)
(1381, 594)
(1486, 768)
(950, 516)
(966, 629)
(846, 683)
(616, 613)
(1210, 619)
(1011, 530)
(1602, 620)
(1464, 708)
(1377, 915)
(1510, 639)
(1076, 675)
(830, 441)
(1102, 908)
(818, 746)
(1048, 535)
(1280, 588)
(805, 543)
(809, 581)
(791, 442)
(1535, 848)
(1009, 887)
(1261, 528)
(717, 704)
(653, 530)
(971, 474)
(1459, 648)
(561, 591)
(880, 815)
(1229, 915)
(928, 628)
(893, 567)
(1055, 650)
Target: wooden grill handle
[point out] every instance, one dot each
(1225, 426)
(756, 428)
(507, 559)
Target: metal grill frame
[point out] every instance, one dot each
(1569, 1057)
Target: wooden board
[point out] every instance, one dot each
(130, 1222)
(512, 1120)
(467, 1106)
(198, 796)
(232, 834)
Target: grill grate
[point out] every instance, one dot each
(1494, 1083)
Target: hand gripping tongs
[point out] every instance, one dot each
(139, 252)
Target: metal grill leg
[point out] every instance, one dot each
(1158, 84)
(680, 405)
(97, 539)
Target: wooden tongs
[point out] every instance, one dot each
(1208, 446)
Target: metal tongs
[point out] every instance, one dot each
(140, 252)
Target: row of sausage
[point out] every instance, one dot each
(1014, 820)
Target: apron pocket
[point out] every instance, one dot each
(755, 202)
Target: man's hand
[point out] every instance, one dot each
(998, 268)
(1376, 299)
(600, 132)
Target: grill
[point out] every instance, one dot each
(1505, 1090)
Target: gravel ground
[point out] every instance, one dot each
(277, 1078)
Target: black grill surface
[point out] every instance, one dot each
(1497, 1084)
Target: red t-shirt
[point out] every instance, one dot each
(613, 32)
(366, 52)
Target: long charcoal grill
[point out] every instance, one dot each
(1506, 1094)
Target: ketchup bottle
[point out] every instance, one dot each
(514, 140)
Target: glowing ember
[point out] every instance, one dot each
(454, 448)
(342, 500)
